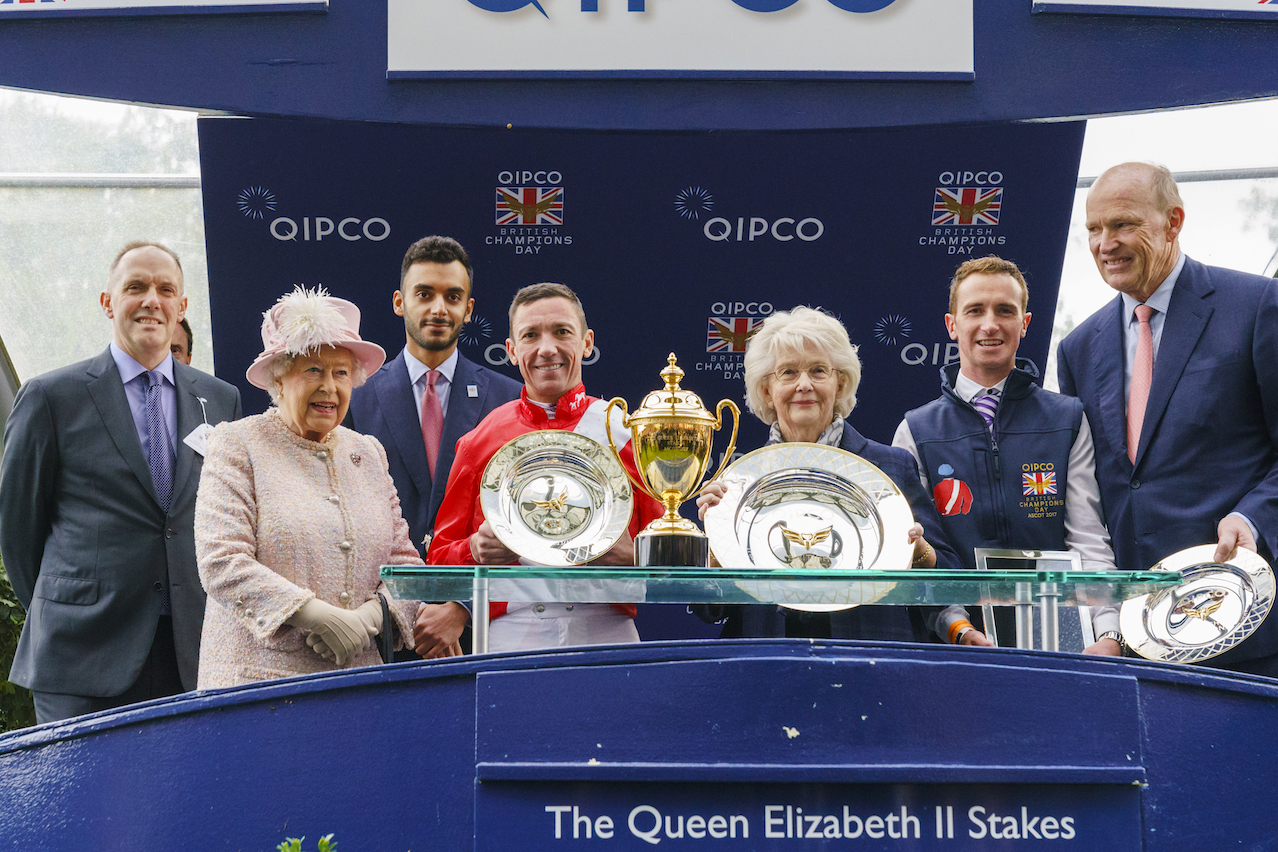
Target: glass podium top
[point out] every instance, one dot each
(584, 584)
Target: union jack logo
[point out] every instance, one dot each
(530, 205)
(1038, 483)
(968, 205)
(730, 334)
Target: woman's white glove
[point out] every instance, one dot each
(370, 615)
(337, 634)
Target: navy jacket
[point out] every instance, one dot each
(1209, 441)
(384, 408)
(1005, 490)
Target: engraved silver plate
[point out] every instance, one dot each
(1218, 605)
(556, 498)
(808, 506)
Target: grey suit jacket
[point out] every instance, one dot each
(84, 539)
(384, 408)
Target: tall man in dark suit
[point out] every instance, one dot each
(97, 504)
(420, 402)
(1179, 379)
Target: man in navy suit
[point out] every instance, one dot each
(102, 460)
(1202, 463)
(435, 299)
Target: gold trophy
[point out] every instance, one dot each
(672, 435)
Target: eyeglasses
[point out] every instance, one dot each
(817, 374)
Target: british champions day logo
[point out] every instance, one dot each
(966, 210)
(530, 211)
(728, 332)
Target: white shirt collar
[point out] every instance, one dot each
(1160, 299)
(130, 369)
(970, 390)
(416, 369)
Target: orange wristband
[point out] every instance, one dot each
(956, 628)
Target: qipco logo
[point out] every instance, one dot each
(763, 6)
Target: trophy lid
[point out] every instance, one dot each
(672, 401)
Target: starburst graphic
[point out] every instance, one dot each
(692, 201)
(256, 201)
(476, 331)
(891, 328)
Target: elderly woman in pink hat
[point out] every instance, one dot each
(296, 513)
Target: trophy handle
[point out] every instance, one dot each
(625, 421)
(718, 424)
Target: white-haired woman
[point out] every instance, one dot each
(295, 513)
(801, 375)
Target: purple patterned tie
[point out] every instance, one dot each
(159, 459)
(987, 405)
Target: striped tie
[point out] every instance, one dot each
(987, 404)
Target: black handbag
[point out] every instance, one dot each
(386, 639)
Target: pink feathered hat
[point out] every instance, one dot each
(302, 322)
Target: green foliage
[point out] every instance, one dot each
(16, 709)
(294, 844)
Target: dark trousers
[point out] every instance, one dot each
(159, 679)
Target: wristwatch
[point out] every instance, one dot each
(1116, 636)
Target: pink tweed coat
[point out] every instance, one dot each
(279, 520)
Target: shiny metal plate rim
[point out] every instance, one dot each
(829, 468)
(1240, 590)
(591, 466)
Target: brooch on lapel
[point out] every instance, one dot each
(356, 458)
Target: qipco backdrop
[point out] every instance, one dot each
(676, 242)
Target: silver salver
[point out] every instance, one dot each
(1218, 605)
(556, 498)
(808, 506)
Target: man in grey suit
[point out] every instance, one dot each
(101, 463)
(396, 406)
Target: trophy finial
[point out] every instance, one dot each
(672, 374)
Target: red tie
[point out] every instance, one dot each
(432, 420)
(1142, 376)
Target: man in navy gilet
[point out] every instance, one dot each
(1010, 465)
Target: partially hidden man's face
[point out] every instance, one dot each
(434, 300)
(548, 342)
(988, 325)
(181, 346)
(145, 303)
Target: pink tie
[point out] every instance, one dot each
(1142, 376)
(432, 420)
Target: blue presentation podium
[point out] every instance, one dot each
(727, 745)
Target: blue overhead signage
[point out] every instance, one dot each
(891, 39)
(1253, 9)
(71, 8)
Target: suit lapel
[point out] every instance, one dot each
(1107, 346)
(1187, 316)
(190, 414)
(107, 392)
(395, 396)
